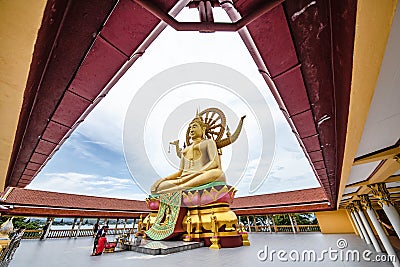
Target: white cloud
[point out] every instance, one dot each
(88, 184)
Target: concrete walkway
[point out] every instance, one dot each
(76, 252)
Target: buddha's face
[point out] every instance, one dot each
(195, 130)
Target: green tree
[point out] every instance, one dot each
(282, 219)
(22, 221)
(306, 218)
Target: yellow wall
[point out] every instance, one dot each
(335, 222)
(19, 24)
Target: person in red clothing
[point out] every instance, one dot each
(101, 245)
(98, 235)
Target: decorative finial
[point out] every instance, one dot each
(198, 116)
(6, 228)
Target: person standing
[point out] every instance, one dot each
(101, 245)
(95, 229)
(100, 232)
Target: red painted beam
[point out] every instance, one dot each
(274, 40)
(323, 34)
(306, 54)
(75, 75)
(55, 61)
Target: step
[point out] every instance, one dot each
(162, 247)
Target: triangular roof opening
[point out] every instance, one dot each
(91, 161)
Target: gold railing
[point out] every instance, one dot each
(32, 234)
(309, 228)
(283, 228)
(36, 234)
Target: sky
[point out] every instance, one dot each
(122, 146)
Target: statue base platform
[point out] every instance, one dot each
(163, 247)
(204, 216)
(226, 233)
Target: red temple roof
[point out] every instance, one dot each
(305, 200)
(36, 202)
(27, 202)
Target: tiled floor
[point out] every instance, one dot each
(76, 252)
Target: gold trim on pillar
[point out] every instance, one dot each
(380, 191)
(354, 207)
(365, 201)
(357, 205)
(350, 207)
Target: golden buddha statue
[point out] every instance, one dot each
(199, 185)
(200, 160)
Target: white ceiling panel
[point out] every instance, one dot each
(346, 198)
(382, 128)
(394, 184)
(350, 190)
(361, 172)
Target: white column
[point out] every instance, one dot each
(358, 219)
(268, 224)
(125, 221)
(291, 222)
(79, 228)
(370, 232)
(48, 223)
(382, 235)
(356, 224)
(378, 227)
(393, 216)
(380, 191)
(273, 223)
(248, 223)
(295, 224)
(72, 228)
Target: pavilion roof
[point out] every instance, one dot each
(313, 199)
(27, 202)
(45, 203)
